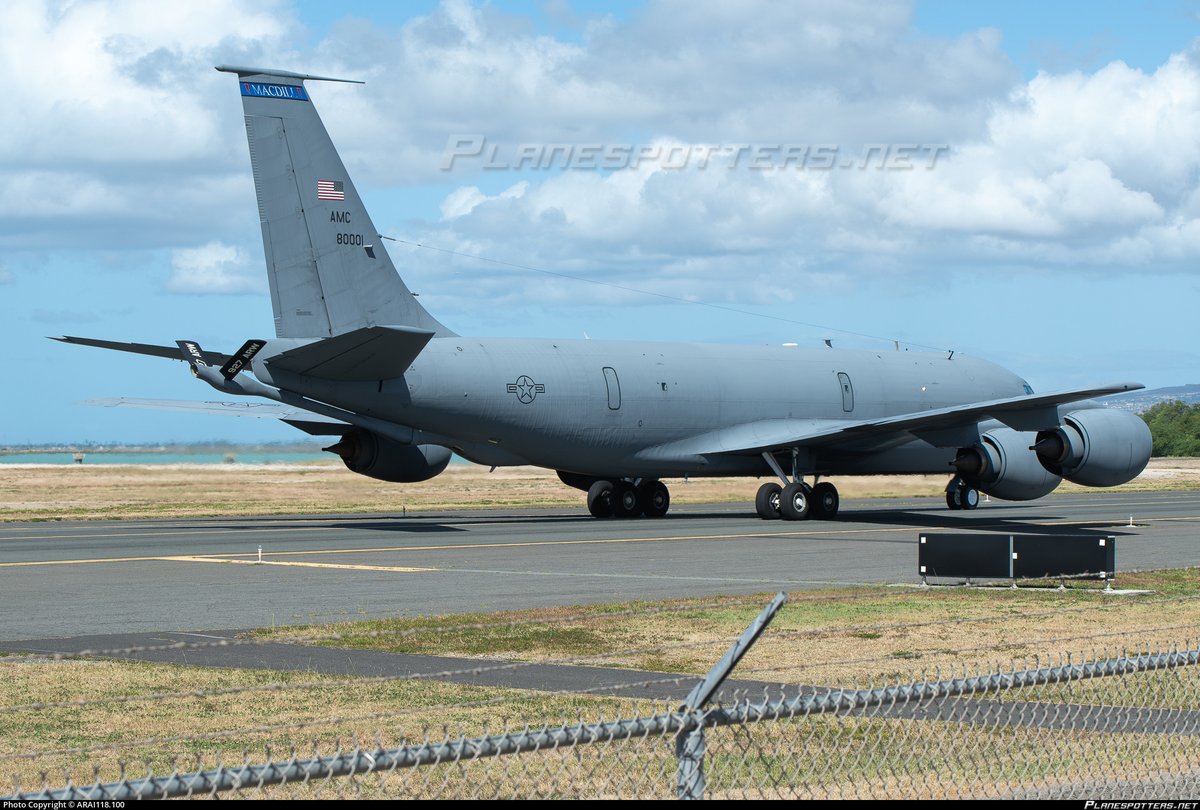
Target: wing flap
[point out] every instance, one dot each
(370, 353)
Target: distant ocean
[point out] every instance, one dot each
(255, 457)
(232, 457)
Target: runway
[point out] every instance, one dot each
(74, 579)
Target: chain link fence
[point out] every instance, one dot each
(1111, 725)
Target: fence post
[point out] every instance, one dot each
(689, 773)
(689, 745)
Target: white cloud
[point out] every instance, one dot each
(121, 117)
(213, 269)
(129, 138)
(1096, 171)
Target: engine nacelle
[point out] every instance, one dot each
(376, 456)
(1002, 465)
(1097, 447)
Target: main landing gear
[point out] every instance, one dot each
(794, 500)
(797, 501)
(961, 495)
(627, 499)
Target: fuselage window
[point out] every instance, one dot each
(614, 388)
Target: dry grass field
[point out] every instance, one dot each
(100, 719)
(98, 491)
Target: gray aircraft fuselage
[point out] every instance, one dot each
(599, 407)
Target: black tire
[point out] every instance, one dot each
(766, 502)
(624, 499)
(954, 499)
(599, 499)
(825, 501)
(655, 498)
(969, 497)
(795, 502)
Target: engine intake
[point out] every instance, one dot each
(1097, 447)
(1001, 465)
(385, 459)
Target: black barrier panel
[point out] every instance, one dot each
(964, 555)
(1037, 557)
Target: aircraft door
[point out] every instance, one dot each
(847, 392)
(614, 388)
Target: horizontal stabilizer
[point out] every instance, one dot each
(169, 352)
(369, 353)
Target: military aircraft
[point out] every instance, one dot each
(356, 356)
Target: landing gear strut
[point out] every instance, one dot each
(625, 499)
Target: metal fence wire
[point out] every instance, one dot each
(1112, 726)
(1117, 727)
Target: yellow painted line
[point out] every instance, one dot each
(232, 557)
(538, 543)
(149, 534)
(78, 562)
(297, 564)
(456, 547)
(432, 517)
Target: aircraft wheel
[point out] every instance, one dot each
(969, 496)
(655, 498)
(624, 500)
(953, 501)
(599, 499)
(825, 501)
(795, 501)
(766, 502)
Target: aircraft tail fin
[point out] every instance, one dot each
(329, 273)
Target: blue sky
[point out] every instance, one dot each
(1058, 233)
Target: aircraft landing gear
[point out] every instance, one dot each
(624, 499)
(795, 500)
(825, 501)
(961, 495)
(766, 502)
(599, 499)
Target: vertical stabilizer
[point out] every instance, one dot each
(328, 270)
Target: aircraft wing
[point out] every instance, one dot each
(311, 423)
(942, 427)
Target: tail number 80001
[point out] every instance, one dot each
(354, 239)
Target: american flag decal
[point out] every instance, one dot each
(330, 190)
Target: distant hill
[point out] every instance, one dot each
(1138, 401)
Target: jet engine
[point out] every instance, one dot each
(1097, 447)
(1001, 465)
(376, 456)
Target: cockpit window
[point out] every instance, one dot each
(1027, 387)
